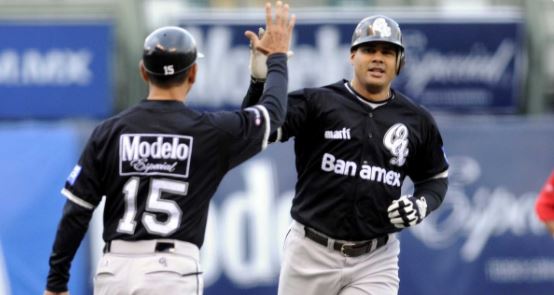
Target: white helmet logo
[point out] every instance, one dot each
(380, 25)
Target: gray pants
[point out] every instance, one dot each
(309, 268)
(135, 268)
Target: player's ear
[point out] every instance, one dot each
(352, 54)
(192, 74)
(142, 71)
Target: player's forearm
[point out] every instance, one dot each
(253, 94)
(433, 190)
(274, 97)
(71, 230)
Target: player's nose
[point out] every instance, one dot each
(377, 55)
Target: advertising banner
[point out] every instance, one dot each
(484, 239)
(36, 160)
(458, 65)
(53, 70)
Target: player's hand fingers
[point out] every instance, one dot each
(278, 14)
(394, 214)
(254, 40)
(398, 222)
(408, 207)
(284, 16)
(412, 216)
(268, 18)
(292, 22)
(393, 206)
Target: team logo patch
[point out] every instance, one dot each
(74, 174)
(258, 118)
(396, 141)
(155, 154)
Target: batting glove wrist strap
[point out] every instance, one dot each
(258, 61)
(407, 211)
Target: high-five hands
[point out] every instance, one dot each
(258, 61)
(278, 30)
(407, 211)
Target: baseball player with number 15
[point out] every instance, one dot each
(355, 142)
(159, 163)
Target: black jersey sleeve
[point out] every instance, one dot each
(274, 96)
(71, 230)
(248, 130)
(428, 168)
(297, 110)
(433, 190)
(83, 184)
(430, 158)
(253, 94)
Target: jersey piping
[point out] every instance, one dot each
(77, 200)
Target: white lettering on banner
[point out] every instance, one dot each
(520, 270)
(9, 67)
(228, 63)
(56, 67)
(4, 280)
(490, 212)
(477, 66)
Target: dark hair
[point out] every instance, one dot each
(166, 82)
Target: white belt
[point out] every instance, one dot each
(152, 246)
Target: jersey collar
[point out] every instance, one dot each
(373, 105)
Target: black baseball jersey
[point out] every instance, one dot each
(160, 162)
(352, 158)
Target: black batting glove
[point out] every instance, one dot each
(407, 211)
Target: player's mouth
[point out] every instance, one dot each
(376, 72)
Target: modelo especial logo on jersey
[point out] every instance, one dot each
(155, 154)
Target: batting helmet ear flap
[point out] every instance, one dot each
(400, 60)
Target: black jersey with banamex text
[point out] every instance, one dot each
(352, 157)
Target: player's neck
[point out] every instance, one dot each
(371, 94)
(173, 93)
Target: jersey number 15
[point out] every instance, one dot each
(154, 204)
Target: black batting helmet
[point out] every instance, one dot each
(169, 51)
(379, 28)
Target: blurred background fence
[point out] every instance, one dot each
(484, 68)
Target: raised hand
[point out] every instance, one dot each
(278, 30)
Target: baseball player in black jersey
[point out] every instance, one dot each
(355, 142)
(159, 163)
